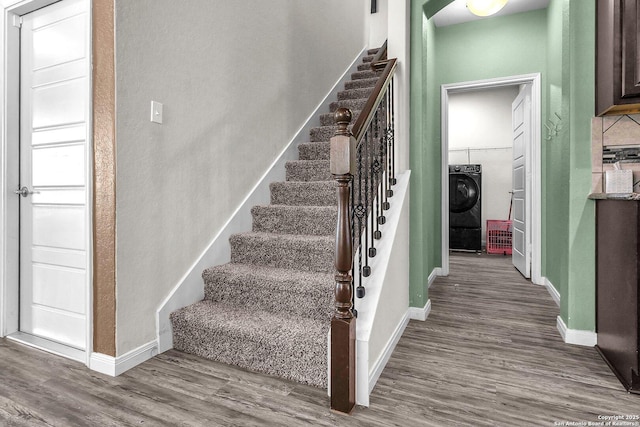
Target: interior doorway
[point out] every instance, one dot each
(47, 176)
(524, 163)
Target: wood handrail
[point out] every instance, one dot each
(379, 57)
(369, 109)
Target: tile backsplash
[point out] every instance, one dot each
(612, 132)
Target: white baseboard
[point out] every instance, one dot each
(378, 367)
(576, 336)
(417, 313)
(552, 290)
(114, 366)
(190, 289)
(432, 277)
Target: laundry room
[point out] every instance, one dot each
(481, 160)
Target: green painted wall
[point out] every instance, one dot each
(559, 43)
(580, 83)
(492, 47)
(425, 237)
(555, 186)
(418, 274)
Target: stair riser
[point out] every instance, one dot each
(300, 195)
(352, 104)
(308, 171)
(268, 297)
(329, 119)
(307, 365)
(314, 151)
(364, 67)
(361, 84)
(322, 133)
(363, 75)
(309, 255)
(317, 222)
(361, 93)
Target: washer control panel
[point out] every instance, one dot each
(465, 168)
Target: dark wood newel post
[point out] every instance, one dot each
(343, 324)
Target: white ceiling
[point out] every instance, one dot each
(457, 13)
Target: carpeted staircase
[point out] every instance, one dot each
(269, 309)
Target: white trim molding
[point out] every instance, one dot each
(552, 290)
(378, 366)
(432, 277)
(533, 151)
(576, 336)
(114, 366)
(417, 313)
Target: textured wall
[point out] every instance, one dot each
(480, 133)
(237, 80)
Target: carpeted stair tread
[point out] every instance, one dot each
(369, 74)
(329, 119)
(296, 252)
(352, 104)
(314, 150)
(304, 193)
(373, 51)
(364, 67)
(361, 83)
(308, 170)
(286, 346)
(369, 58)
(283, 219)
(276, 290)
(360, 93)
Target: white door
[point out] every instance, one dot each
(521, 121)
(53, 173)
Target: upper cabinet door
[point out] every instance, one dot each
(630, 56)
(617, 57)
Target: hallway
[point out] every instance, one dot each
(489, 354)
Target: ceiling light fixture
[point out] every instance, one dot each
(485, 7)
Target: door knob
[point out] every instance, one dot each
(24, 192)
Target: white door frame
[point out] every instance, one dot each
(9, 167)
(533, 152)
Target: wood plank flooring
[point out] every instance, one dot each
(488, 355)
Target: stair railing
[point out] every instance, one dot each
(362, 163)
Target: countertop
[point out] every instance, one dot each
(615, 196)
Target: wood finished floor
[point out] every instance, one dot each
(489, 355)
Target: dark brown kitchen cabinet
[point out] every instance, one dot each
(618, 279)
(617, 57)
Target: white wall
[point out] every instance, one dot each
(480, 133)
(399, 17)
(237, 80)
(377, 23)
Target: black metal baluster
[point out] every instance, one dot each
(366, 270)
(392, 180)
(385, 149)
(360, 212)
(355, 245)
(374, 184)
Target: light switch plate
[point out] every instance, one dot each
(156, 112)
